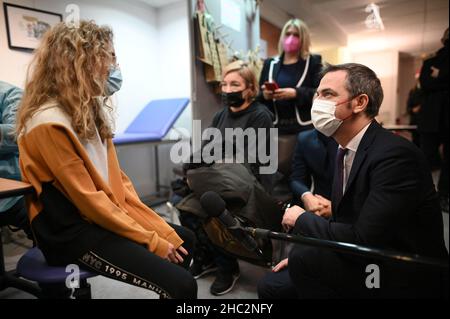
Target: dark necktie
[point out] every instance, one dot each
(338, 181)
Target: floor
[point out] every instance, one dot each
(103, 288)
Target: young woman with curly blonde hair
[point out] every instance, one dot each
(86, 210)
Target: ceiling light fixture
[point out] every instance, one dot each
(373, 20)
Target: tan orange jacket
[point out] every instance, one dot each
(50, 151)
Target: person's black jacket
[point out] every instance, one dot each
(313, 159)
(305, 92)
(415, 98)
(434, 115)
(256, 117)
(390, 200)
(60, 231)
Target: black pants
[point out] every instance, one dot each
(124, 260)
(319, 274)
(17, 216)
(277, 285)
(430, 143)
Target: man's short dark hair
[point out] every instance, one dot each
(360, 80)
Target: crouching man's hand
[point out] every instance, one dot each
(290, 217)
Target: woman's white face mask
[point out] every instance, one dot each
(324, 118)
(114, 81)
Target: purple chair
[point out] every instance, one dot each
(52, 280)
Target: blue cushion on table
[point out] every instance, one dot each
(153, 122)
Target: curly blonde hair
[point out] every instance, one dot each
(71, 67)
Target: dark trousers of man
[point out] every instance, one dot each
(277, 285)
(17, 216)
(319, 274)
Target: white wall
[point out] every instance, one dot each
(385, 65)
(12, 63)
(174, 62)
(171, 72)
(152, 47)
(135, 38)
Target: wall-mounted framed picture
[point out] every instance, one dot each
(26, 26)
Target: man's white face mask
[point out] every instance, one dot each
(323, 116)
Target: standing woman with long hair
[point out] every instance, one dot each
(297, 74)
(86, 210)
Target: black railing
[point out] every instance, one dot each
(350, 248)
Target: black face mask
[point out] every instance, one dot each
(233, 99)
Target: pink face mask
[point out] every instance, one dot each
(291, 44)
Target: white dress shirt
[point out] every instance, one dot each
(352, 147)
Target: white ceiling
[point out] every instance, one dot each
(412, 26)
(159, 3)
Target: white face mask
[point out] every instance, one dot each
(114, 82)
(323, 117)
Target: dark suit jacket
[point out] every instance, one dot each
(305, 93)
(390, 201)
(434, 113)
(313, 159)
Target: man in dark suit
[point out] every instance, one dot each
(313, 160)
(383, 196)
(434, 114)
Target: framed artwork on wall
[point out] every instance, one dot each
(26, 26)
